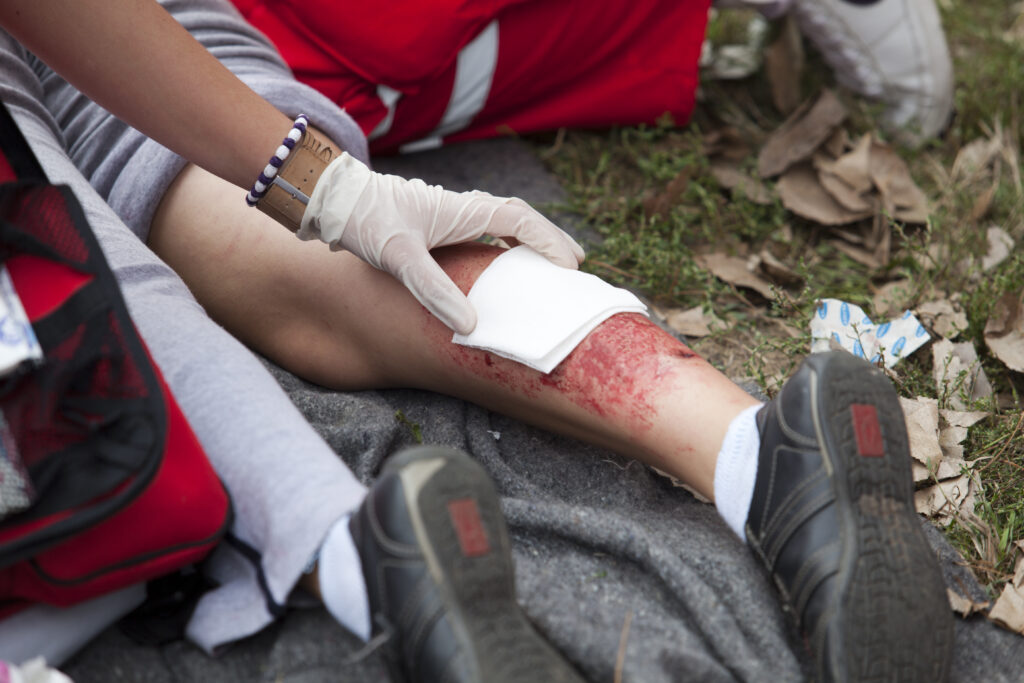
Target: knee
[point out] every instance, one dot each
(464, 262)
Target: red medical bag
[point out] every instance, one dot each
(121, 491)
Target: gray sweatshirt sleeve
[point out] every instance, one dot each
(132, 172)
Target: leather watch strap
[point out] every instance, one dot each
(286, 198)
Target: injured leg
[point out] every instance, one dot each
(817, 482)
(328, 317)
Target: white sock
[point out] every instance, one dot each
(737, 469)
(342, 585)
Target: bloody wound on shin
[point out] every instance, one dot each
(616, 371)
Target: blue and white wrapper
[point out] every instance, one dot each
(837, 322)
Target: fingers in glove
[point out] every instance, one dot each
(412, 264)
(519, 220)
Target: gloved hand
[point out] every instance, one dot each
(392, 223)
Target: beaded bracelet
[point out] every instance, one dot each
(266, 177)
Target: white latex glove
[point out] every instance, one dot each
(392, 223)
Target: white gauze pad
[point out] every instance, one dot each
(534, 312)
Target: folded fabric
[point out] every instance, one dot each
(534, 312)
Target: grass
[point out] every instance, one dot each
(649, 193)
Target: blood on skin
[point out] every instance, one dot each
(616, 371)
(620, 367)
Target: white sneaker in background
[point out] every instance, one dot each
(893, 51)
(32, 671)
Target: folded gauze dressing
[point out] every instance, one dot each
(534, 312)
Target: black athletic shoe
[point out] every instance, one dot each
(833, 519)
(435, 554)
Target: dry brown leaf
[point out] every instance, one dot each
(951, 443)
(920, 472)
(725, 143)
(729, 176)
(843, 193)
(951, 439)
(802, 133)
(944, 500)
(965, 607)
(854, 235)
(975, 158)
(774, 269)
(900, 194)
(943, 317)
(933, 256)
(662, 202)
(1016, 31)
(802, 194)
(784, 65)
(692, 322)
(963, 418)
(881, 239)
(1000, 244)
(1008, 611)
(958, 374)
(853, 168)
(861, 256)
(1004, 332)
(922, 419)
(734, 270)
(942, 451)
(950, 468)
(893, 297)
(983, 202)
(837, 143)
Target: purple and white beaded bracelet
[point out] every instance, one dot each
(266, 177)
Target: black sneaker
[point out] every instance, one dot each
(435, 554)
(832, 517)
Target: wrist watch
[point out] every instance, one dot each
(288, 194)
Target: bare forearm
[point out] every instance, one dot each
(133, 58)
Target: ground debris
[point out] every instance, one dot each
(691, 322)
(1004, 331)
(796, 140)
(730, 176)
(959, 378)
(783, 66)
(661, 203)
(936, 445)
(901, 197)
(1008, 610)
(803, 194)
(965, 607)
(737, 272)
(921, 415)
(1000, 244)
(944, 317)
(893, 297)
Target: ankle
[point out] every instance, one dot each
(736, 470)
(340, 581)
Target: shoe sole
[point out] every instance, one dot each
(456, 515)
(897, 625)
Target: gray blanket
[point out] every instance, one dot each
(617, 567)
